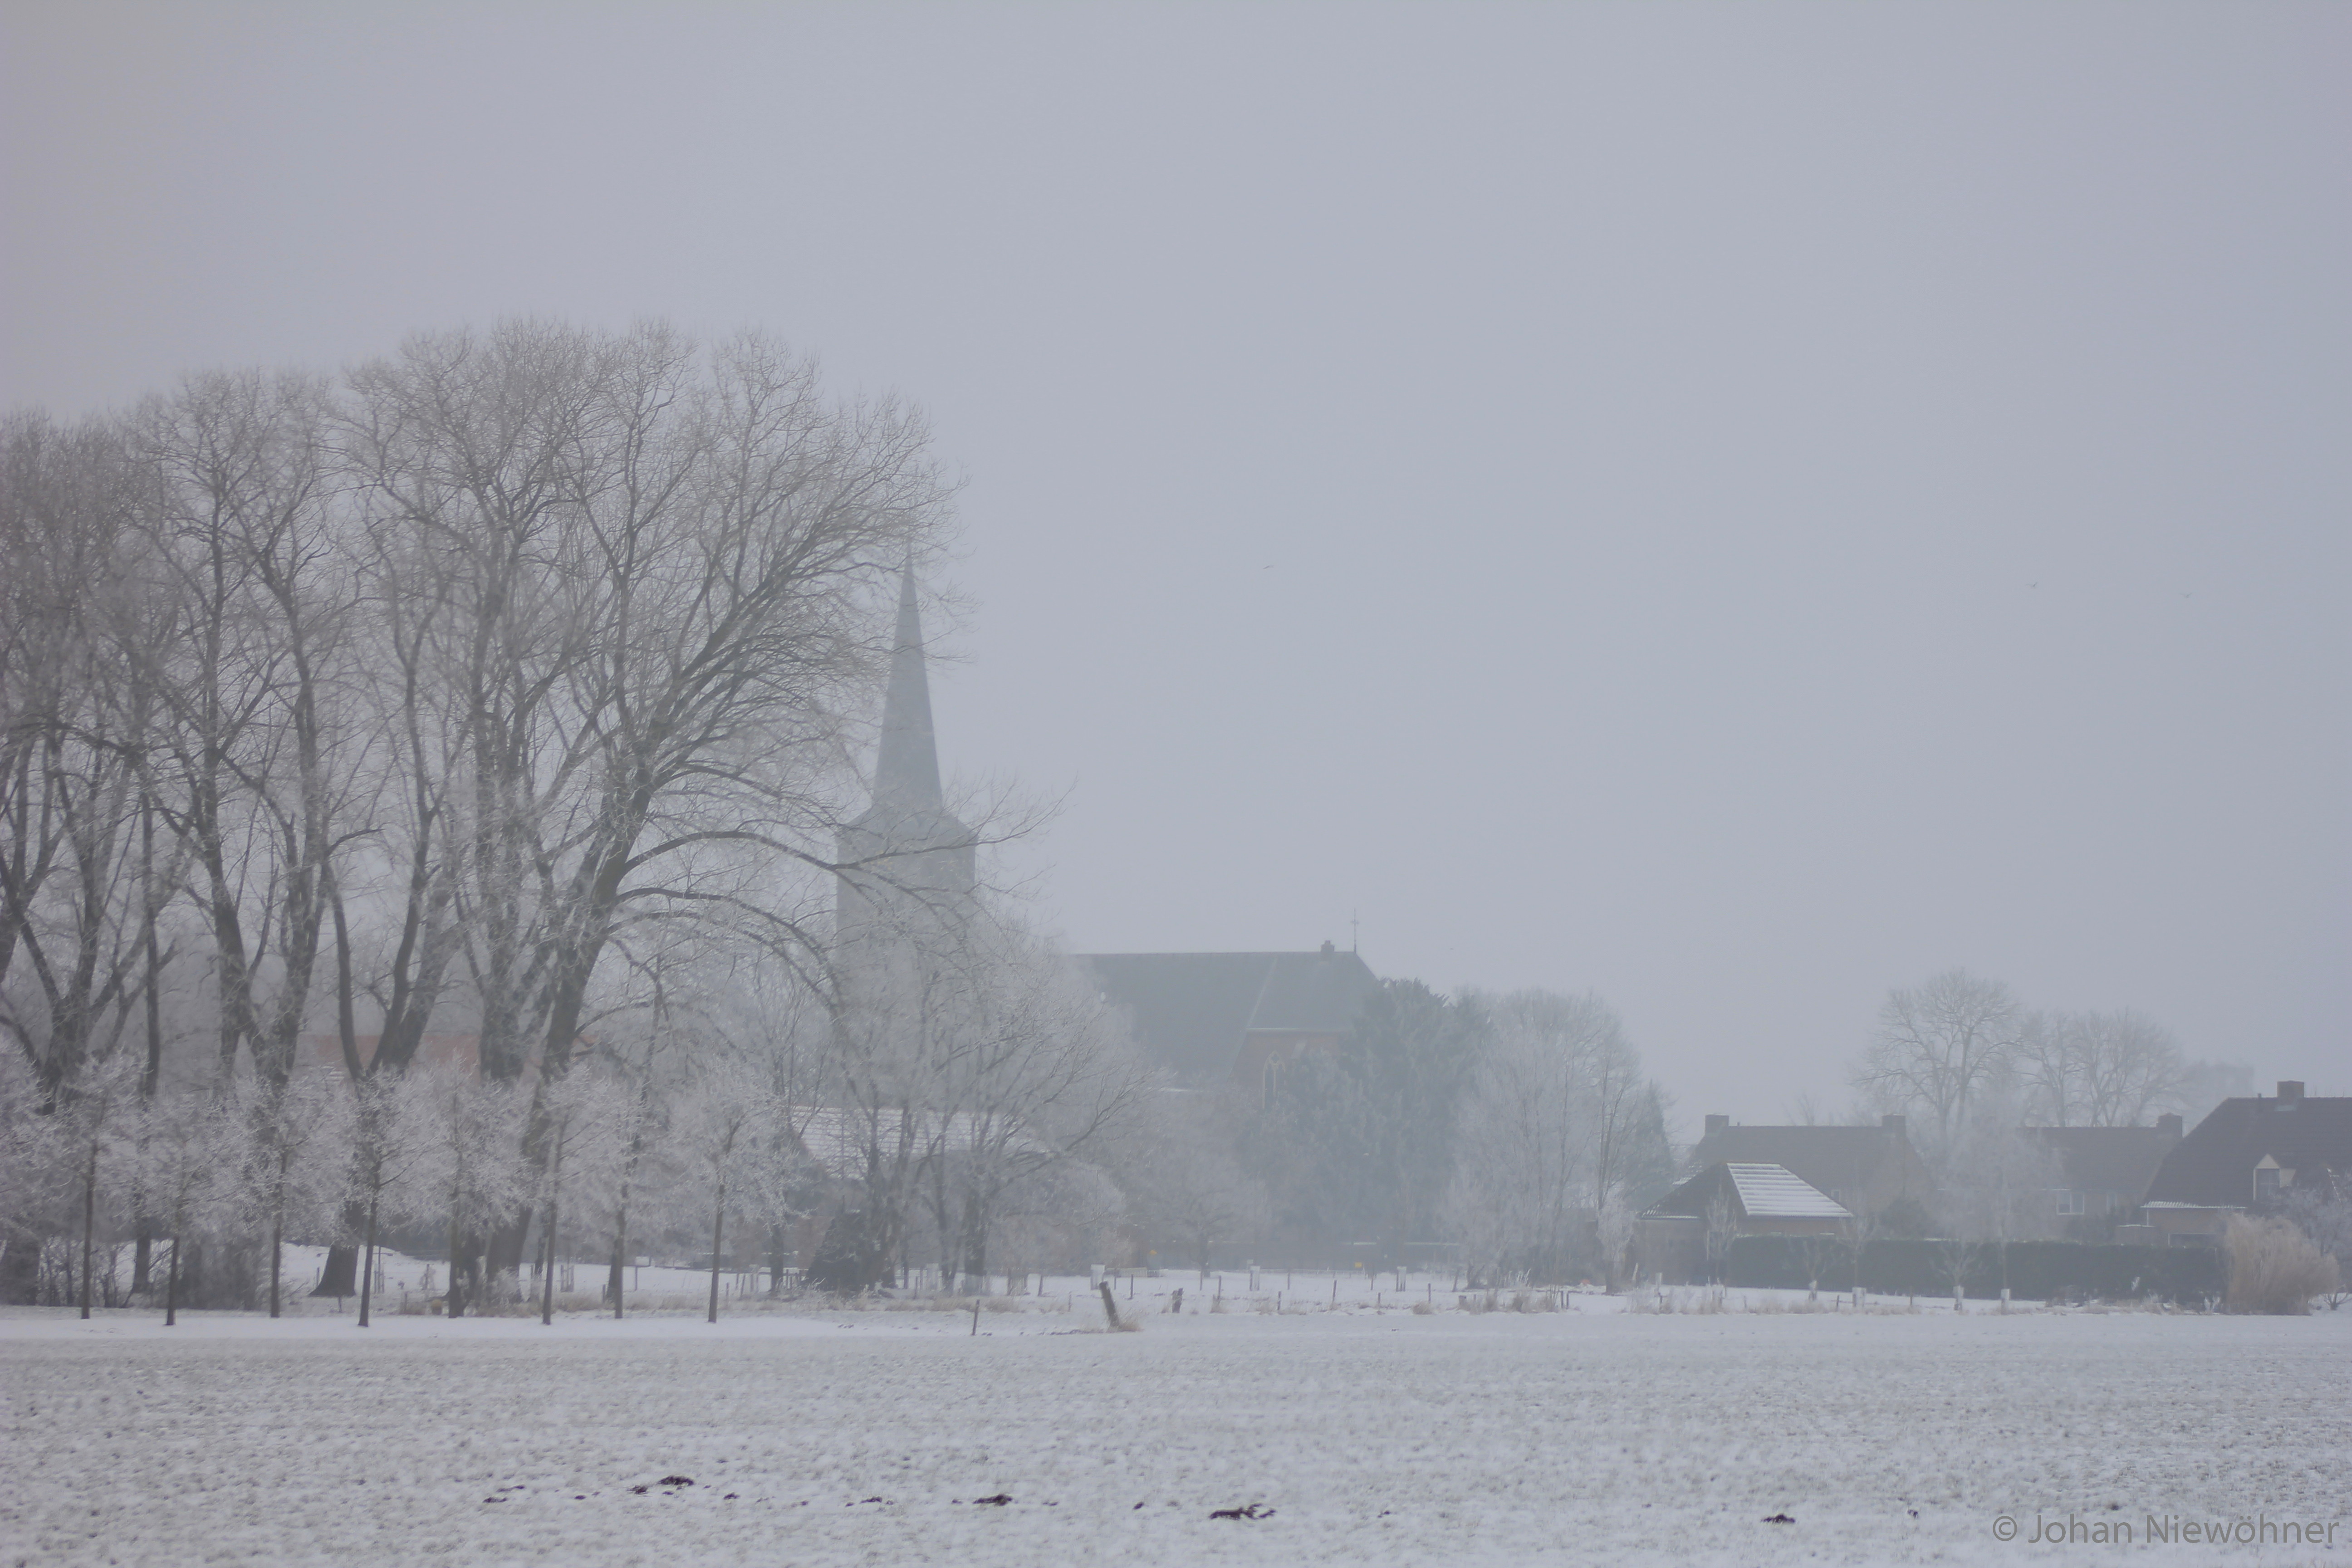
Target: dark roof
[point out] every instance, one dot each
(2214, 1164)
(2108, 1158)
(1192, 1010)
(1758, 1191)
(907, 767)
(1833, 1159)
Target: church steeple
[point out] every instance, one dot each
(907, 770)
(907, 850)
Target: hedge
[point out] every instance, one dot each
(2036, 1270)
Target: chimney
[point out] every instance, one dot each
(2290, 1090)
(1893, 1124)
(1716, 1124)
(2169, 1124)
(1328, 950)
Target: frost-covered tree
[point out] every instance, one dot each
(1551, 1133)
(1184, 1175)
(294, 1163)
(397, 1146)
(471, 1162)
(1360, 1143)
(719, 1127)
(190, 1146)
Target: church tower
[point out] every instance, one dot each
(907, 860)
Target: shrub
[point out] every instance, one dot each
(2274, 1268)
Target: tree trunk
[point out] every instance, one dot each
(975, 1240)
(618, 1280)
(335, 1279)
(367, 1275)
(718, 1226)
(554, 1193)
(88, 1221)
(277, 1245)
(455, 1291)
(172, 1289)
(547, 1257)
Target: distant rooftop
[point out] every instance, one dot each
(1191, 1010)
(1762, 1192)
(1772, 1191)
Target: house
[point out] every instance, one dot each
(1213, 1019)
(1867, 1169)
(2104, 1172)
(1672, 1239)
(2246, 1157)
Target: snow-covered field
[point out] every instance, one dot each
(1593, 1435)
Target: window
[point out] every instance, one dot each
(2069, 1200)
(2267, 1184)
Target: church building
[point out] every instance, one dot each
(1208, 1019)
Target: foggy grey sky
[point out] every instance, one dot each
(1731, 508)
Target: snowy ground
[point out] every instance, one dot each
(1381, 1436)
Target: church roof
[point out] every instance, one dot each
(908, 810)
(1191, 1010)
(907, 767)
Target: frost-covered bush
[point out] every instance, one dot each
(2274, 1268)
(2326, 1218)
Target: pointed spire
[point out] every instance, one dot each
(906, 772)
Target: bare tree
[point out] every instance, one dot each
(1939, 1045)
(2099, 1069)
(665, 569)
(73, 713)
(247, 761)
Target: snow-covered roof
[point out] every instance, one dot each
(1771, 1191)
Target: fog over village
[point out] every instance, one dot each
(1249, 785)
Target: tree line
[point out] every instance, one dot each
(1508, 1138)
(422, 798)
(452, 695)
